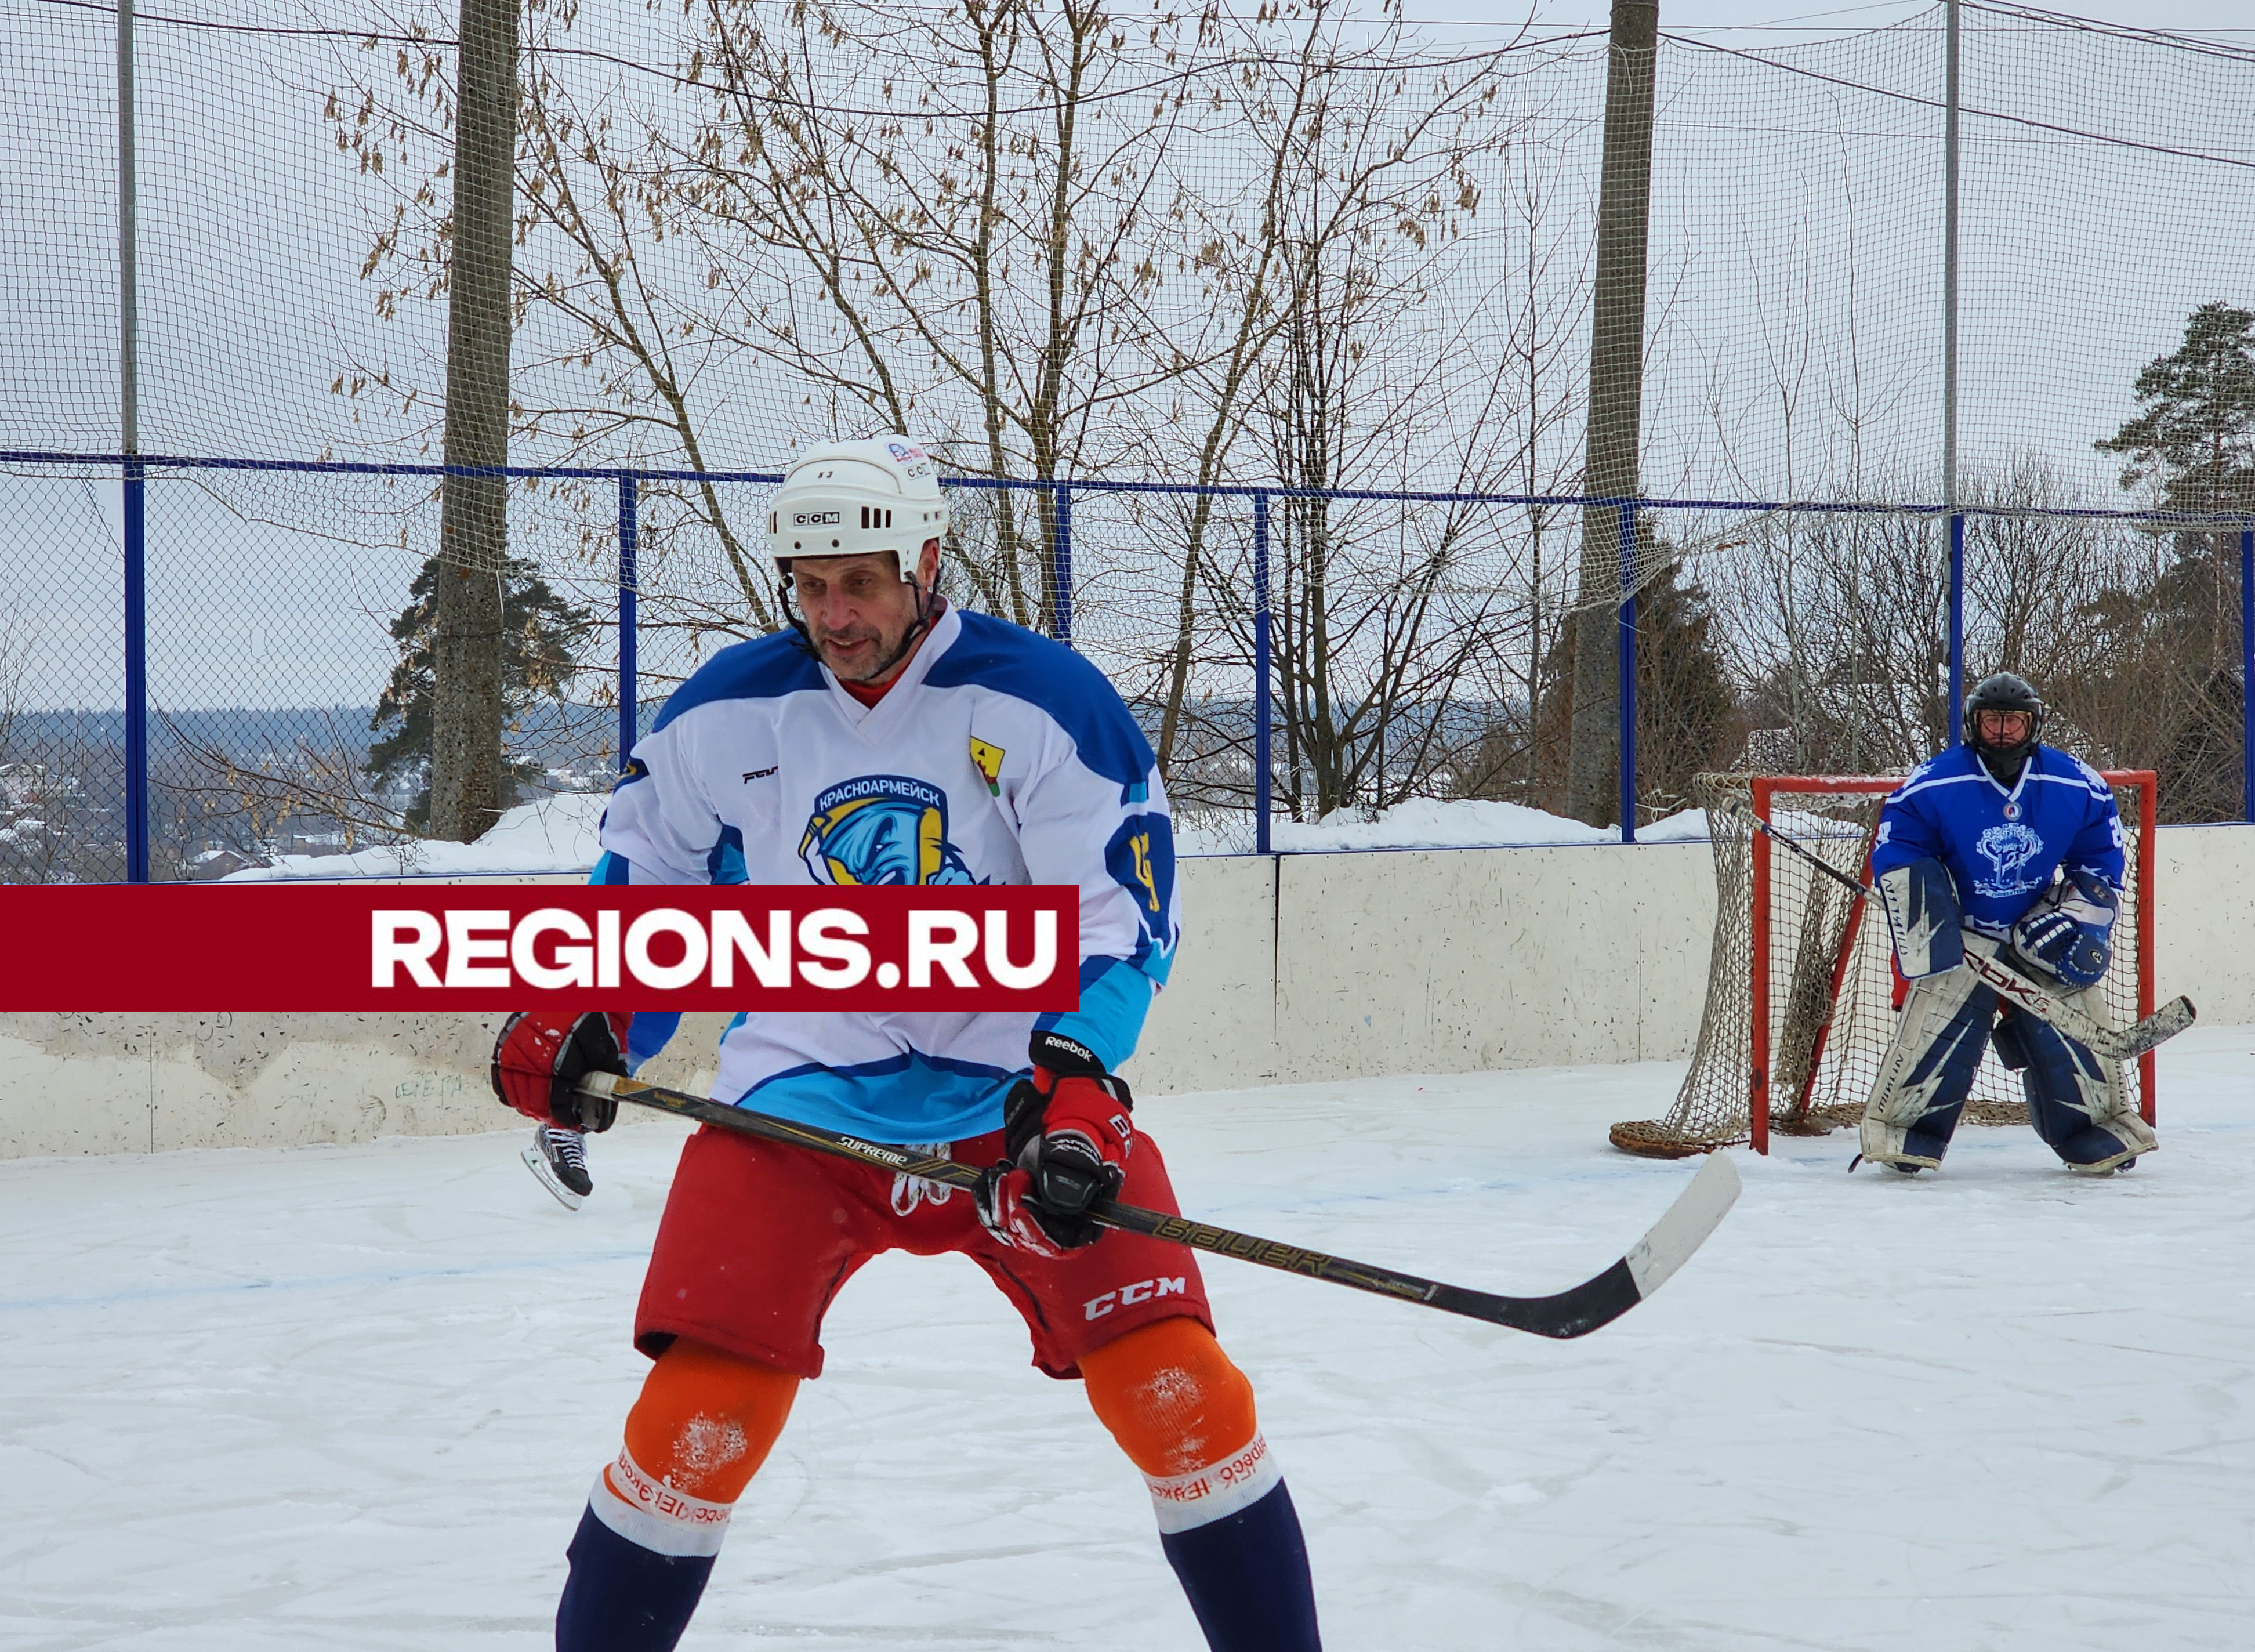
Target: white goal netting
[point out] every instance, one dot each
(1816, 962)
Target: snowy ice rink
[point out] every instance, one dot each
(354, 1397)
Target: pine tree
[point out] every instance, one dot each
(2174, 644)
(2194, 446)
(2196, 435)
(1687, 713)
(541, 633)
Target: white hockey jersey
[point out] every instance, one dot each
(998, 756)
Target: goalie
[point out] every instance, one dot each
(2012, 847)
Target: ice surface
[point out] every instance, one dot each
(352, 1397)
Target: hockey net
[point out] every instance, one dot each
(1817, 962)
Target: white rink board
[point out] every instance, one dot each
(352, 1397)
(1294, 967)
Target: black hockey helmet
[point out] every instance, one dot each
(2004, 692)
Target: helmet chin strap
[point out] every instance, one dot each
(928, 606)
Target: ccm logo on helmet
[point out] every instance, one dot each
(1129, 1296)
(815, 519)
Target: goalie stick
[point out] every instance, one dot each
(1596, 1301)
(2010, 984)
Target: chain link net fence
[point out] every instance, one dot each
(1292, 249)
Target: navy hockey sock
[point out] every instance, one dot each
(1247, 1577)
(1233, 1536)
(622, 1597)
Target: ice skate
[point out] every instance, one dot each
(559, 1158)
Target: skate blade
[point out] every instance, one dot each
(538, 1165)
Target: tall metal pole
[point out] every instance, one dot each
(1950, 376)
(129, 319)
(1956, 731)
(2246, 672)
(1260, 658)
(629, 582)
(1950, 258)
(136, 489)
(1062, 568)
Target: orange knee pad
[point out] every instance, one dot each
(1171, 1397)
(707, 1420)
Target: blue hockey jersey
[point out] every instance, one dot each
(2002, 846)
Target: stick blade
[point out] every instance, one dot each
(1684, 1225)
(2159, 1027)
(1597, 1301)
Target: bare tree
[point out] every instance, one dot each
(956, 222)
(1064, 247)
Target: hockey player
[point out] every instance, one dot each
(2015, 849)
(894, 739)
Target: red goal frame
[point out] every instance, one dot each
(2144, 782)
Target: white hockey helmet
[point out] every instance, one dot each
(845, 499)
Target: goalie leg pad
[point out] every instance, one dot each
(1928, 1070)
(2077, 1101)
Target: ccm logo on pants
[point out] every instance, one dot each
(1129, 1296)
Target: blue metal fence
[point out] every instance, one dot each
(135, 471)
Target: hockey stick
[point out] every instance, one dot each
(1596, 1301)
(2010, 984)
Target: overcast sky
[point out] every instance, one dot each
(2067, 292)
(1770, 22)
(2228, 18)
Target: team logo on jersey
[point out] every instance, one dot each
(2010, 850)
(988, 761)
(882, 829)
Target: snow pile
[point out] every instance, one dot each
(1426, 822)
(555, 833)
(558, 834)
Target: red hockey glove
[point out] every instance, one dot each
(539, 1057)
(1066, 1136)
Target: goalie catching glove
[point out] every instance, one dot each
(2068, 933)
(1066, 1138)
(539, 1059)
